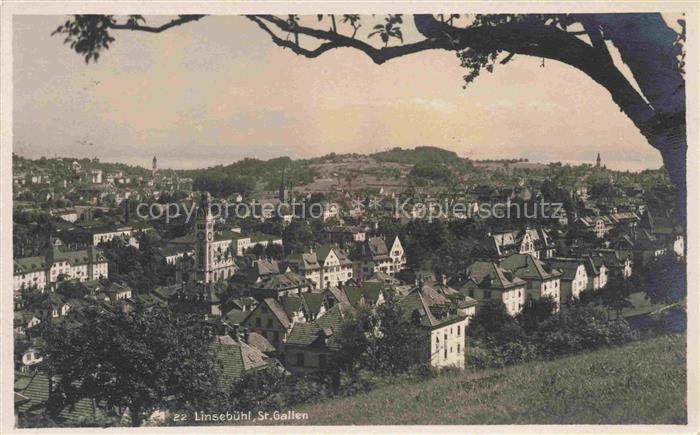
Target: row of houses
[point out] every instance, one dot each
(56, 264)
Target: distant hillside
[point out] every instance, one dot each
(246, 175)
(641, 383)
(419, 155)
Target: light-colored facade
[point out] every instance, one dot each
(574, 279)
(448, 344)
(40, 271)
(326, 266)
(376, 256)
(484, 280)
(542, 280)
(213, 259)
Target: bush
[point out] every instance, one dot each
(574, 329)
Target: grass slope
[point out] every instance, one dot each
(641, 383)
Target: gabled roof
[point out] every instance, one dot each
(285, 281)
(568, 266)
(325, 327)
(488, 275)
(233, 358)
(611, 257)
(277, 310)
(526, 266)
(339, 296)
(368, 290)
(312, 302)
(377, 248)
(415, 303)
(34, 388)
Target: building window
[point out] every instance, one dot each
(445, 351)
(459, 327)
(269, 323)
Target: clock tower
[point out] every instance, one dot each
(204, 238)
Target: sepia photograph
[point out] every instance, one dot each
(461, 218)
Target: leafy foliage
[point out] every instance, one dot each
(136, 361)
(142, 269)
(258, 390)
(390, 29)
(500, 340)
(88, 34)
(385, 341)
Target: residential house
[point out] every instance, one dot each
(327, 266)
(445, 326)
(542, 280)
(310, 345)
(57, 264)
(597, 273)
(235, 356)
(375, 256)
(619, 263)
(484, 280)
(527, 241)
(574, 278)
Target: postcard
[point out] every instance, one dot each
(355, 217)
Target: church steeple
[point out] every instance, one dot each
(155, 166)
(597, 161)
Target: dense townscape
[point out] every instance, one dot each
(147, 296)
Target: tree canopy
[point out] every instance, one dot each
(136, 361)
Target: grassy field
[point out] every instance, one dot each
(641, 383)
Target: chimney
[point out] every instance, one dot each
(245, 334)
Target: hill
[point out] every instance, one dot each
(641, 383)
(426, 155)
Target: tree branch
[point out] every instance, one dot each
(183, 19)
(337, 40)
(592, 30)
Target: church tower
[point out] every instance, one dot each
(155, 167)
(204, 238)
(597, 161)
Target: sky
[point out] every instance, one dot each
(218, 90)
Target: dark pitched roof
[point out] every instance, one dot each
(568, 266)
(487, 274)
(526, 266)
(233, 358)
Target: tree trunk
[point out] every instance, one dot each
(673, 146)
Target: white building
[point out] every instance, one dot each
(326, 266)
(574, 279)
(484, 280)
(375, 257)
(445, 328)
(542, 280)
(42, 270)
